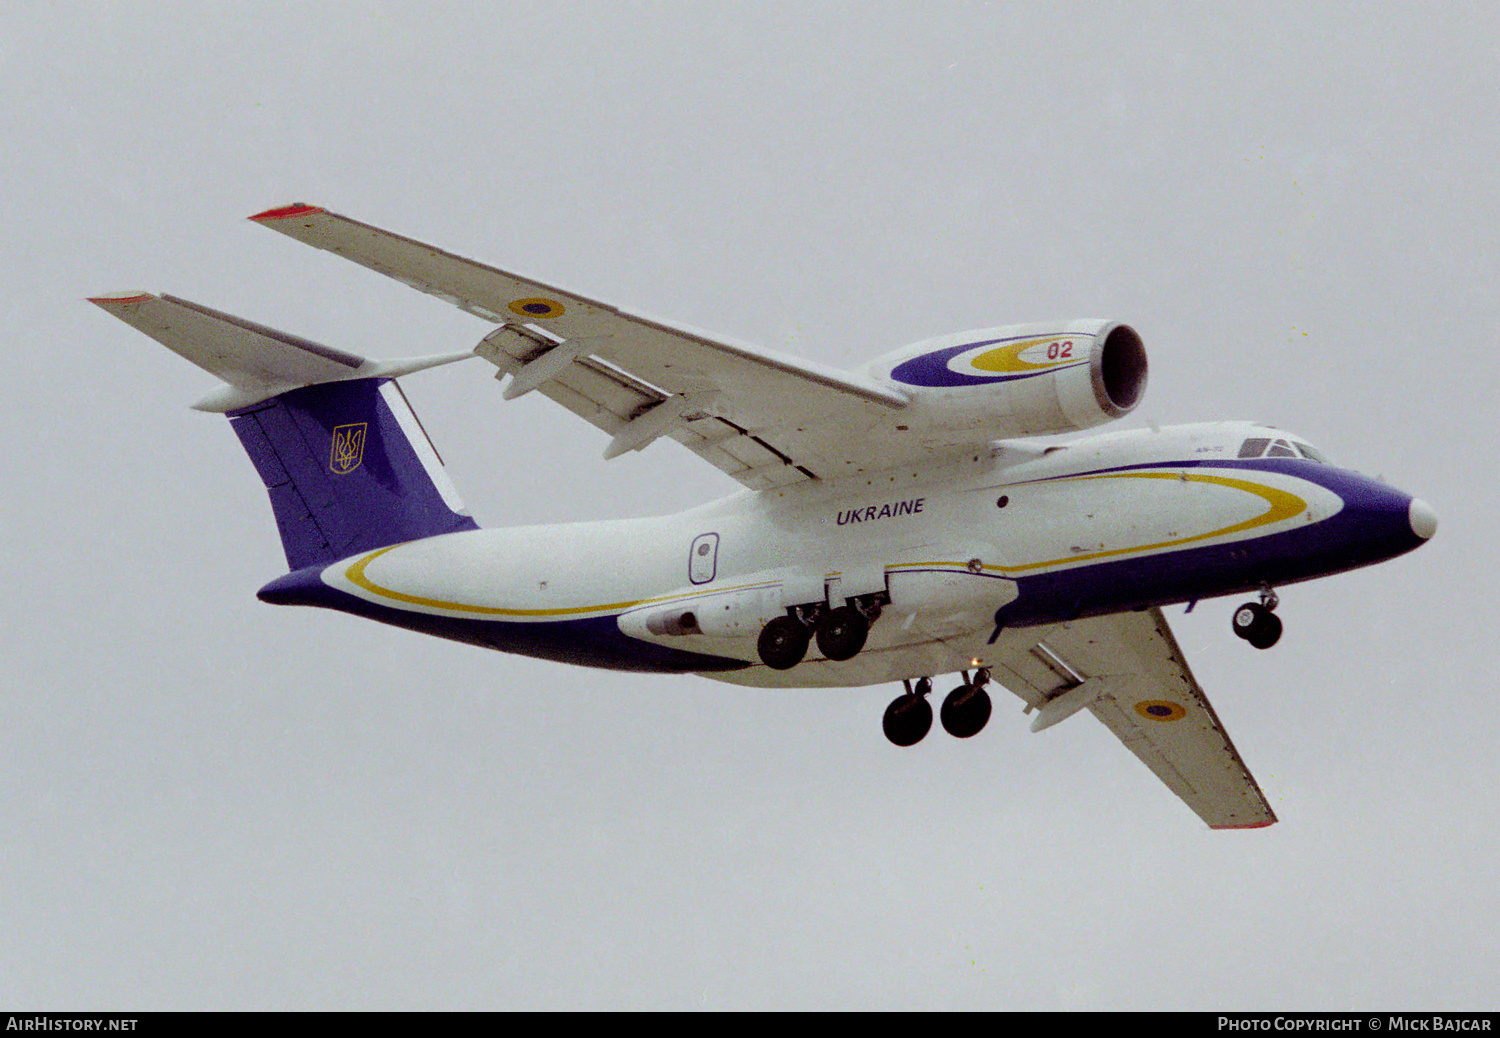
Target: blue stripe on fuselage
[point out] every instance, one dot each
(1373, 525)
(589, 642)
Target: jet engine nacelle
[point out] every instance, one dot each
(1019, 380)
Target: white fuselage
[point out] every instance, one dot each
(1004, 537)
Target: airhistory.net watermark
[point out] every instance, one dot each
(55, 1022)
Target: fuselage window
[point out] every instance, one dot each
(1254, 447)
(1281, 449)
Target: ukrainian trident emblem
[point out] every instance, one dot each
(348, 448)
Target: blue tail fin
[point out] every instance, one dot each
(349, 469)
(345, 461)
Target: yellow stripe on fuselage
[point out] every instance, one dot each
(1281, 505)
(356, 575)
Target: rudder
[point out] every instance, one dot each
(348, 469)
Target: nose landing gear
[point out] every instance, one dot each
(1256, 623)
(965, 710)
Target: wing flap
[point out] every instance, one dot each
(608, 398)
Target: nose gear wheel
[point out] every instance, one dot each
(1256, 624)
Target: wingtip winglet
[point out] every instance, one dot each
(286, 212)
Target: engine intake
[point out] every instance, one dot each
(1118, 368)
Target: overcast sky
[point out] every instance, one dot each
(208, 802)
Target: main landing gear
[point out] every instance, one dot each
(783, 642)
(841, 632)
(1256, 623)
(909, 717)
(965, 710)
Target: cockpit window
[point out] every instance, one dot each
(1310, 452)
(1264, 446)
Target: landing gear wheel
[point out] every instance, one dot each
(907, 719)
(1257, 625)
(1267, 636)
(783, 643)
(1246, 617)
(842, 633)
(966, 711)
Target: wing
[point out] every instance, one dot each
(1128, 671)
(766, 418)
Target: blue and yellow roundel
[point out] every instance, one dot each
(994, 360)
(543, 308)
(1160, 710)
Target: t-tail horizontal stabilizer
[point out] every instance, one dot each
(346, 463)
(256, 362)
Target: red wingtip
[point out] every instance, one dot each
(119, 298)
(1247, 825)
(282, 213)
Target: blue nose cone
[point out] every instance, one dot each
(1377, 522)
(1384, 522)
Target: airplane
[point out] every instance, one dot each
(897, 523)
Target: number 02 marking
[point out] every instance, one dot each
(1060, 351)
